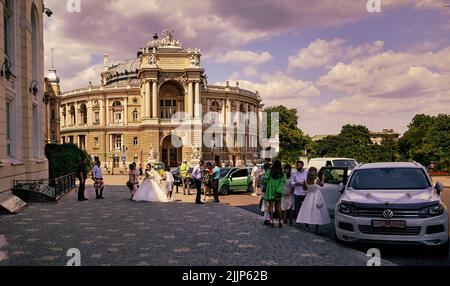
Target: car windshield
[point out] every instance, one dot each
(350, 164)
(389, 179)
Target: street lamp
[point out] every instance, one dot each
(34, 87)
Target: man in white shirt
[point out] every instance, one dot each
(298, 181)
(197, 177)
(97, 176)
(255, 179)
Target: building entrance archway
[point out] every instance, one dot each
(170, 153)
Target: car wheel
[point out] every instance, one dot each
(224, 190)
(441, 250)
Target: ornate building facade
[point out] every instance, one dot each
(159, 107)
(22, 106)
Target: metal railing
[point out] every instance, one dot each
(52, 188)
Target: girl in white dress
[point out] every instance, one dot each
(150, 189)
(314, 210)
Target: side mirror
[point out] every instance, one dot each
(341, 188)
(439, 187)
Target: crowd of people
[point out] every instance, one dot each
(292, 195)
(286, 193)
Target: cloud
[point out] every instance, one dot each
(322, 53)
(244, 57)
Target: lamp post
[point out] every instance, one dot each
(46, 100)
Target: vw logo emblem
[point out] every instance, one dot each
(388, 214)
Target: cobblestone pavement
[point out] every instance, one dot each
(117, 231)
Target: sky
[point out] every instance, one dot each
(337, 62)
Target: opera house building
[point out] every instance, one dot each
(159, 107)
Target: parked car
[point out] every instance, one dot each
(319, 163)
(159, 167)
(392, 202)
(234, 179)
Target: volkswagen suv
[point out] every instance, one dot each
(392, 202)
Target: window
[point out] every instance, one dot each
(53, 114)
(95, 142)
(63, 139)
(9, 129)
(35, 43)
(118, 116)
(117, 141)
(97, 117)
(135, 115)
(7, 28)
(135, 141)
(83, 113)
(389, 179)
(71, 139)
(168, 108)
(72, 115)
(82, 142)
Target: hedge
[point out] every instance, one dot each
(64, 159)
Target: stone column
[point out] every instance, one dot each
(89, 113)
(77, 113)
(155, 100)
(190, 100)
(197, 100)
(147, 99)
(102, 112)
(224, 110)
(125, 112)
(108, 112)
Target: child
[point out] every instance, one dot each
(287, 202)
(168, 178)
(314, 210)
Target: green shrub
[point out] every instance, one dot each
(64, 159)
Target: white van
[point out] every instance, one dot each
(333, 162)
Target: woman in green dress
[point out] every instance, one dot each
(275, 190)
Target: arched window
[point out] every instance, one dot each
(117, 112)
(72, 115)
(83, 113)
(214, 111)
(242, 113)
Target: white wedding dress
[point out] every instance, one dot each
(314, 209)
(150, 190)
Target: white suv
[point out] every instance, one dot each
(392, 202)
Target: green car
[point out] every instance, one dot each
(234, 179)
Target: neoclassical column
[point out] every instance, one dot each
(224, 110)
(197, 100)
(155, 100)
(147, 99)
(108, 118)
(102, 112)
(125, 111)
(89, 112)
(77, 113)
(190, 99)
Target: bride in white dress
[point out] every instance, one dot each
(150, 189)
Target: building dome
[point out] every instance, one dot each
(52, 76)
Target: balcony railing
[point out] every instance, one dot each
(44, 190)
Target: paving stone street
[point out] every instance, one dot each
(117, 231)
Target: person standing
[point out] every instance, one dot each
(215, 181)
(264, 205)
(98, 180)
(184, 174)
(298, 181)
(255, 178)
(287, 203)
(207, 181)
(82, 176)
(314, 210)
(169, 180)
(197, 177)
(275, 183)
(133, 180)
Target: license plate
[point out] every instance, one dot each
(389, 223)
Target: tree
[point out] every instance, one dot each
(428, 140)
(64, 159)
(293, 142)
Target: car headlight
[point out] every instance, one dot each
(434, 210)
(346, 208)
